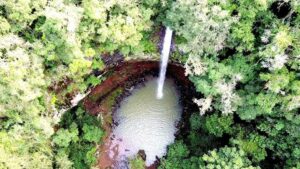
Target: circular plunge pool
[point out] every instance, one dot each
(146, 123)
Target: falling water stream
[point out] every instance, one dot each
(164, 62)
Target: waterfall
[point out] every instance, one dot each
(164, 62)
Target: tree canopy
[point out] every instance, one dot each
(243, 58)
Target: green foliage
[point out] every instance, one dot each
(93, 80)
(78, 139)
(22, 81)
(261, 104)
(20, 13)
(199, 140)
(92, 133)
(178, 150)
(137, 163)
(204, 30)
(82, 155)
(97, 64)
(219, 125)
(90, 158)
(44, 45)
(25, 125)
(70, 35)
(255, 78)
(196, 122)
(241, 35)
(242, 57)
(24, 146)
(220, 79)
(278, 80)
(282, 138)
(115, 24)
(5, 26)
(254, 145)
(63, 137)
(178, 154)
(227, 158)
(62, 160)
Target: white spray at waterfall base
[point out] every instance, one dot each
(164, 62)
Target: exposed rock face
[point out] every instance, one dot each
(125, 72)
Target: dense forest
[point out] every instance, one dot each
(242, 56)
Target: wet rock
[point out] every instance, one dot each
(112, 60)
(142, 154)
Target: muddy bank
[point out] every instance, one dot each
(104, 99)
